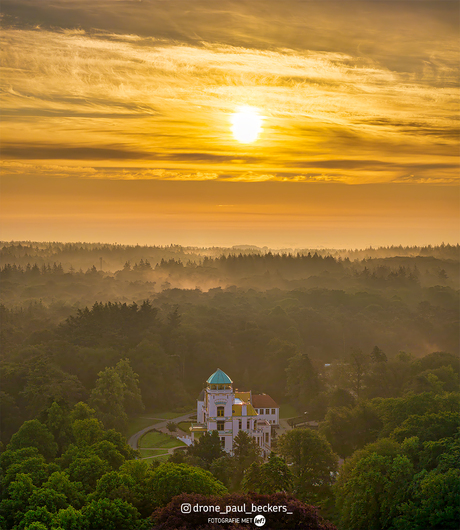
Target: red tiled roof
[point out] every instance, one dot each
(260, 401)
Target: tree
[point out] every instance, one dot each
(58, 422)
(52, 500)
(435, 380)
(108, 452)
(245, 452)
(87, 431)
(245, 449)
(47, 383)
(224, 469)
(70, 519)
(88, 470)
(132, 395)
(131, 483)
(107, 398)
(268, 478)
(61, 483)
(314, 464)
(433, 503)
(430, 426)
(348, 429)
(10, 418)
(174, 318)
(412, 484)
(110, 515)
(37, 515)
(369, 496)
(16, 498)
(82, 411)
(207, 448)
(341, 398)
(169, 480)
(378, 355)
(34, 434)
(302, 382)
(171, 426)
(358, 365)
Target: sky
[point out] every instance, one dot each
(117, 122)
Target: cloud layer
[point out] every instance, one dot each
(146, 89)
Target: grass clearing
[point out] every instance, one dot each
(146, 453)
(158, 439)
(184, 426)
(167, 415)
(288, 411)
(137, 424)
(161, 459)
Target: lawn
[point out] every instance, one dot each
(139, 423)
(158, 439)
(167, 415)
(161, 458)
(184, 426)
(146, 453)
(288, 411)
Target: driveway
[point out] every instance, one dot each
(161, 426)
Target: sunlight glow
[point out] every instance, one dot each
(246, 124)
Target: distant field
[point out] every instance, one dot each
(288, 411)
(158, 439)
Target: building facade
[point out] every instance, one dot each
(220, 408)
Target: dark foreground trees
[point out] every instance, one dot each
(408, 485)
(301, 516)
(90, 480)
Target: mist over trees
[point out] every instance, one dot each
(363, 344)
(368, 326)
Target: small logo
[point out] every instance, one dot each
(186, 508)
(259, 520)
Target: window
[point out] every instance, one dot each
(239, 425)
(220, 425)
(266, 437)
(273, 411)
(267, 411)
(220, 411)
(222, 442)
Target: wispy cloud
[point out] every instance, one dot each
(157, 104)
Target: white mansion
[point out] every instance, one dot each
(221, 409)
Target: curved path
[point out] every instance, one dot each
(134, 440)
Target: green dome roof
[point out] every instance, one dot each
(219, 378)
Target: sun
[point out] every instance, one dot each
(246, 124)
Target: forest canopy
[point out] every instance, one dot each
(361, 345)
